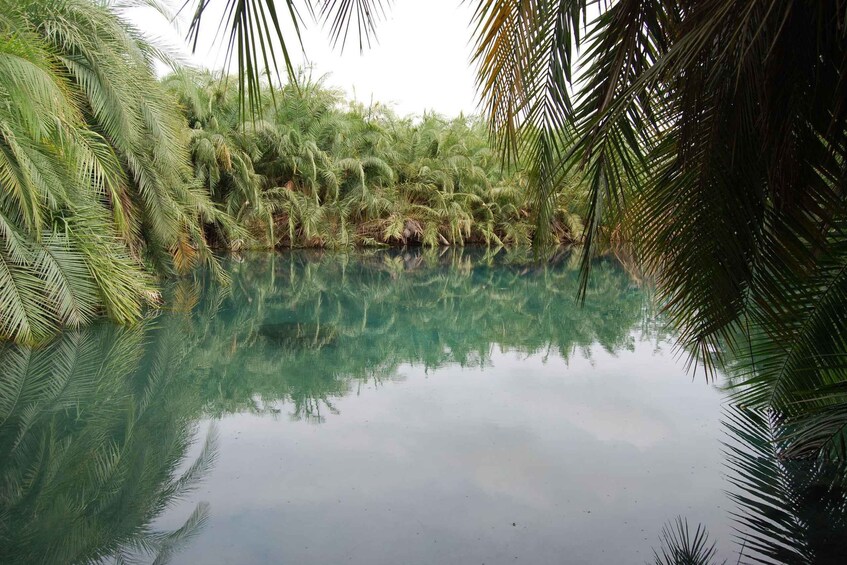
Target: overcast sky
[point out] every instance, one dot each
(421, 61)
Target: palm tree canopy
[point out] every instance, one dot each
(97, 189)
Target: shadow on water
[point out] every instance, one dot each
(95, 428)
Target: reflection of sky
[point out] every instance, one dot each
(587, 460)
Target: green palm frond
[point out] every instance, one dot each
(797, 358)
(67, 280)
(22, 316)
(253, 31)
(97, 185)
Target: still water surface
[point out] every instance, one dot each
(386, 407)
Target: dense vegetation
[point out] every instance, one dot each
(112, 179)
(97, 190)
(316, 171)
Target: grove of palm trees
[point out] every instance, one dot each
(114, 179)
(694, 152)
(317, 171)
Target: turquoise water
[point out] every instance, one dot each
(385, 407)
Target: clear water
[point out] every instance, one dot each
(385, 407)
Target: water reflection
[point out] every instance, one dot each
(311, 326)
(788, 510)
(98, 431)
(92, 430)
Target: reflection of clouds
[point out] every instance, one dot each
(514, 470)
(607, 405)
(609, 423)
(638, 398)
(574, 454)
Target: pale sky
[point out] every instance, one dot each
(421, 61)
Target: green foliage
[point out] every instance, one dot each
(94, 171)
(317, 172)
(105, 189)
(255, 36)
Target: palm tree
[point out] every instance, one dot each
(317, 171)
(97, 188)
(714, 131)
(222, 164)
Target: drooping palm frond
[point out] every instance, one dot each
(524, 56)
(94, 170)
(729, 185)
(798, 357)
(362, 14)
(255, 29)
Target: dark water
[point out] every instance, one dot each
(388, 407)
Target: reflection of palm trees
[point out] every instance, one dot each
(92, 431)
(787, 511)
(303, 326)
(94, 425)
(681, 546)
